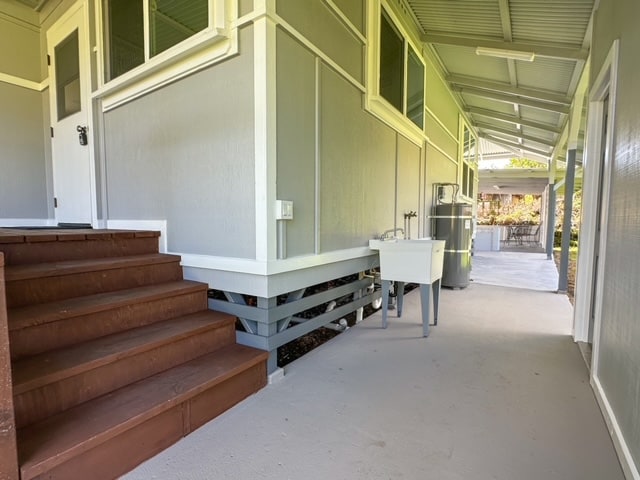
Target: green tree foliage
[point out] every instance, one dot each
(502, 209)
(526, 163)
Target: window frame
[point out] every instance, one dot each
(206, 47)
(375, 102)
(470, 162)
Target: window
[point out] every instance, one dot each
(168, 23)
(391, 63)
(401, 72)
(469, 147)
(68, 76)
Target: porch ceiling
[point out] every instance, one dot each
(523, 106)
(513, 181)
(520, 181)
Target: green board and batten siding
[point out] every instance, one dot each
(185, 153)
(23, 184)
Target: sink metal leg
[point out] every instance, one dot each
(424, 300)
(386, 284)
(399, 297)
(436, 300)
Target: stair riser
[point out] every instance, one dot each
(42, 402)
(145, 440)
(70, 331)
(57, 251)
(50, 289)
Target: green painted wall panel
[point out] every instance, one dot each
(439, 101)
(354, 10)
(315, 20)
(440, 137)
(357, 168)
(296, 133)
(23, 189)
(408, 187)
(20, 54)
(185, 153)
(245, 7)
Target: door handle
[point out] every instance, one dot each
(82, 134)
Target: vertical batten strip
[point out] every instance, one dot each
(318, 152)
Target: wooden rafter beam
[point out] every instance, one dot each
(512, 119)
(550, 51)
(463, 81)
(513, 99)
(511, 133)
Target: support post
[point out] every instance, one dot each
(8, 450)
(551, 220)
(566, 221)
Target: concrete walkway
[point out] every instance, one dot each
(515, 269)
(498, 391)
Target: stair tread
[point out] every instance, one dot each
(26, 236)
(42, 369)
(69, 267)
(56, 439)
(43, 313)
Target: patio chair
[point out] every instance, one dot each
(533, 237)
(511, 234)
(520, 232)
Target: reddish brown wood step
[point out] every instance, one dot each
(161, 409)
(48, 282)
(41, 246)
(54, 381)
(38, 328)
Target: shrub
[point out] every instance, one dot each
(557, 238)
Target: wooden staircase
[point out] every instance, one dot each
(114, 355)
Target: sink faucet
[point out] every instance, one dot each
(407, 222)
(386, 234)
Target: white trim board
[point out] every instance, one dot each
(273, 267)
(624, 454)
(24, 83)
(604, 84)
(264, 71)
(274, 278)
(27, 222)
(205, 48)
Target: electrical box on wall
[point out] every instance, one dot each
(284, 210)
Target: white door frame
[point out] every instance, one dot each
(603, 86)
(85, 85)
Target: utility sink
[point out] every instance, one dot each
(415, 261)
(411, 261)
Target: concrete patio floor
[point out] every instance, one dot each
(498, 391)
(524, 268)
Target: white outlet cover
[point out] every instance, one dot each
(284, 210)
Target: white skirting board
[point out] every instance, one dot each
(27, 222)
(624, 455)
